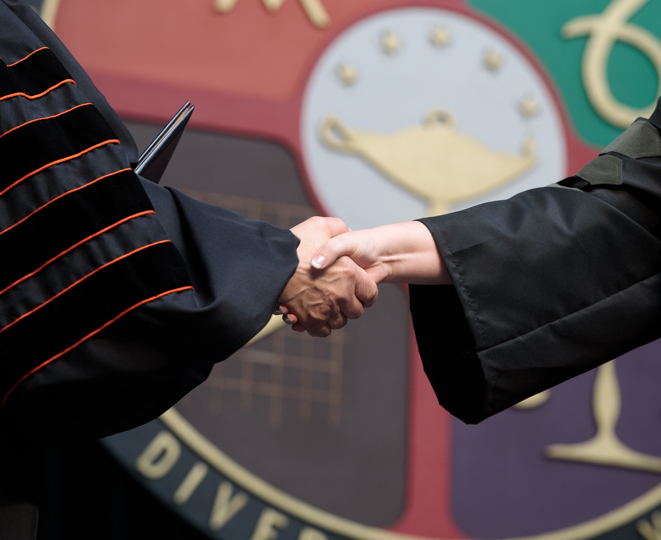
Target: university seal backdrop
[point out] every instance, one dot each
(381, 111)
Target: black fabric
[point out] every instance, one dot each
(551, 283)
(68, 221)
(33, 75)
(37, 144)
(26, 32)
(464, 392)
(118, 287)
(20, 492)
(19, 521)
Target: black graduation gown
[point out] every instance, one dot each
(548, 284)
(116, 295)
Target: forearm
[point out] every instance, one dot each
(397, 253)
(409, 254)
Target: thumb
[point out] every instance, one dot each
(333, 249)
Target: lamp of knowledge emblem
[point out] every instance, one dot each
(420, 111)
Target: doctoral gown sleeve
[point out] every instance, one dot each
(548, 284)
(116, 295)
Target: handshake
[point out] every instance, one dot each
(339, 269)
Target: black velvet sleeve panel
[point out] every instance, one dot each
(549, 284)
(32, 75)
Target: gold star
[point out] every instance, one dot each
(390, 43)
(347, 74)
(440, 37)
(492, 60)
(528, 107)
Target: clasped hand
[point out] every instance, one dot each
(318, 301)
(338, 270)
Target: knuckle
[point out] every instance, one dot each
(338, 322)
(322, 331)
(340, 223)
(317, 221)
(372, 299)
(325, 311)
(356, 312)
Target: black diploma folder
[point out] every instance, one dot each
(155, 158)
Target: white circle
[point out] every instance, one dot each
(395, 91)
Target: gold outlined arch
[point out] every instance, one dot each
(325, 520)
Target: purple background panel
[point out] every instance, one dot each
(503, 486)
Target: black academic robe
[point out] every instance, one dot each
(548, 284)
(116, 295)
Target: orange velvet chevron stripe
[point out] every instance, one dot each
(80, 244)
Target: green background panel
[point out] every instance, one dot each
(632, 77)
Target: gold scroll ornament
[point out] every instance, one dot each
(603, 32)
(433, 161)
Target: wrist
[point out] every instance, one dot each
(412, 255)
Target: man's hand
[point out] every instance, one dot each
(322, 300)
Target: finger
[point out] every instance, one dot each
(338, 322)
(366, 289)
(352, 308)
(297, 327)
(332, 317)
(290, 319)
(320, 331)
(339, 246)
(280, 309)
(336, 226)
(363, 293)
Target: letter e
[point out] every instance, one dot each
(266, 526)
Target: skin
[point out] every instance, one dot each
(319, 301)
(398, 253)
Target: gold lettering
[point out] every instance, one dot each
(650, 530)
(226, 506)
(266, 526)
(603, 32)
(190, 483)
(314, 9)
(159, 457)
(311, 534)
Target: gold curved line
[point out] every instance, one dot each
(265, 491)
(275, 323)
(325, 520)
(48, 12)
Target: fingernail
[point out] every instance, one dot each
(278, 310)
(288, 320)
(318, 262)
